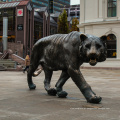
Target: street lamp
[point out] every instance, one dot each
(46, 14)
(46, 24)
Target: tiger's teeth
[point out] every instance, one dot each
(92, 60)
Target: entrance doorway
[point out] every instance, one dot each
(111, 46)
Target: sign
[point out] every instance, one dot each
(19, 12)
(20, 27)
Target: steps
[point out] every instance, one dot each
(5, 55)
(2, 68)
(7, 63)
(10, 61)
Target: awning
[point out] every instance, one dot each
(6, 5)
(14, 4)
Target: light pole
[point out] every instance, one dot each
(46, 15)
(5, 30)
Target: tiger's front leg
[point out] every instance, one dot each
(59, 85)
(84, 87)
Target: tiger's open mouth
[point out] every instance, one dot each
(93, 61)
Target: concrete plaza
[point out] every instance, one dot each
(17, 102)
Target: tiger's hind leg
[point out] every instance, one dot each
(34, 62)
(30, 72)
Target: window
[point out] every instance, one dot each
(38, 31)
(11, 19)
(51, 6)
(1, 23)
(111, 46)
(53, 30)
(112, 8)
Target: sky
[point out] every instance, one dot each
(74, 2)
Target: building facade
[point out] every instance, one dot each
(58, 4)
(52, 5)
(44, 24)
(26, 25)
(73, 11)
(40, 3)
(102, 17)
(20, 26)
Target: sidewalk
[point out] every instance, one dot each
(110, 63)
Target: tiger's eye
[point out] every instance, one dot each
(88, 46)
(98, 46)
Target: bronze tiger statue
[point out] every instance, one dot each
(67, 52)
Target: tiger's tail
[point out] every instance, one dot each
(36, 73)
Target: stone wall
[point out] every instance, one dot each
(17, 48)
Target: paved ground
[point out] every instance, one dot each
(17, 102)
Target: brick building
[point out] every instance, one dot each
(25, 25)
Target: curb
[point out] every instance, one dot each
(106, 68)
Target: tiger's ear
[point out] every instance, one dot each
(83, 37)
(103, 38)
